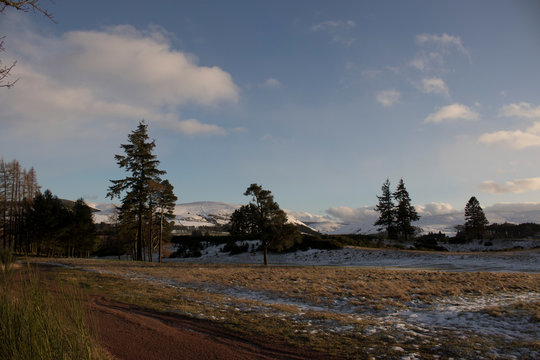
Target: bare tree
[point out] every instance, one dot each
(24, 6)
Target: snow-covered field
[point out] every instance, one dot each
(509, 261)
(495, 324)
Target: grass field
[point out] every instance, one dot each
(348, 312)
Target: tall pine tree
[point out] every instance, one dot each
(142, 167)
(475, 219)
(405, 213)
(385, 207)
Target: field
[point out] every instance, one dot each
(345, 312)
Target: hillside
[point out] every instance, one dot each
(210, 213)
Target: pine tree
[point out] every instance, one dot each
(142, 167)
(386, 209)
(475, 219)
(405, 213)
(263, 217)
(165, 202)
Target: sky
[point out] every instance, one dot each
(318, 101)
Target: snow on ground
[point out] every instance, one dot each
(417, 322)
(511, 261)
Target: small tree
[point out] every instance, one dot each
(405, 213)
(475, 219)
(386, 209)
(263, 217)
(165, 202)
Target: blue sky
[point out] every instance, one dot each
(318, 101)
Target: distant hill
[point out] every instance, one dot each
(210, 213)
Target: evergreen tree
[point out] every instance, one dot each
(263, 217)
(142, 167)
(405, 213)
(475, 219)
(386, 209)
(165, 202)
(82, 234)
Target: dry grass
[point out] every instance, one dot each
(356, 291)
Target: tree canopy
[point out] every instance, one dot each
(262, 217)
(396, 218)
(475, 219)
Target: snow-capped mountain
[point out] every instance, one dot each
(209, 213)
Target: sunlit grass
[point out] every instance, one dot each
(190, 289)
(36, 323)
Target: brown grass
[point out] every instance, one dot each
(358, 289)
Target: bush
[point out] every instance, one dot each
(427, 243)
(233, 248)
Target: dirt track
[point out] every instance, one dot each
(128, 332)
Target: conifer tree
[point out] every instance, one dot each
(142, 166)
(405, 213)
(386, 209)
(165, 202)
(475, 219)
(263, 217)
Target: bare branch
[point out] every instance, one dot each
(25, 6)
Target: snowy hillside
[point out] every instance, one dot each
(209, 213)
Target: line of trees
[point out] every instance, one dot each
(18, 186)
(32, 222)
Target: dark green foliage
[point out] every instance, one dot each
(405, 213)
(142, 167)
(513, 231)
(430, 242)
(189, 246)
(396, 219)
(475, 219)
(263, 218)
(386, 209)
(233, 248)
(57, 229)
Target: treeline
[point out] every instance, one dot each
(18, 187)
(195, 245)
(40, 223)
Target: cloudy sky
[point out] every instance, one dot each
(318, 101)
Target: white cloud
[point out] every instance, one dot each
(352, 215)
(428, 61)
(333, 24)
(337, 29)
(388, 97)
(523, 110)
(515, 139)
(453, 112)
(271, 83)
(443, 41)
(194, 127)
(92, 79)
(514, 207)
(436, 209)
(515, 186)
(435, 85)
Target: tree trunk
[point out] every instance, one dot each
(265, 255)
(160, 234)
(138, 252)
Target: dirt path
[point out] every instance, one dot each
(129, 332)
